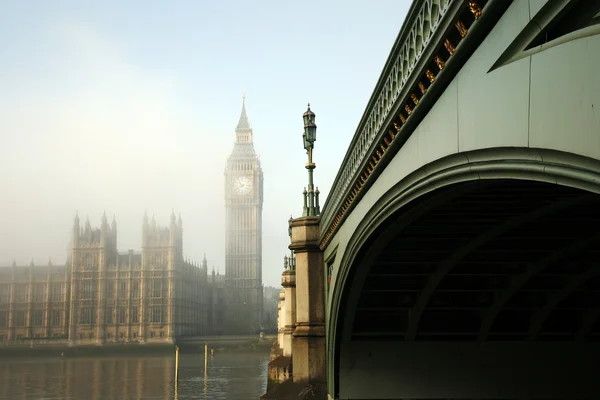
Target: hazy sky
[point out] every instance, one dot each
(131, 106)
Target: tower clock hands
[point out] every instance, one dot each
(242, 185)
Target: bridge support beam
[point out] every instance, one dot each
(308, 348)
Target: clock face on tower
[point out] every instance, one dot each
(242, 185)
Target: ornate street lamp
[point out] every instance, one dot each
(311, 205)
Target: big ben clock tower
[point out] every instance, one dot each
(243, 242)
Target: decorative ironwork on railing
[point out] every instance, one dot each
(429, 37)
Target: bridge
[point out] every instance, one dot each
(457, 254)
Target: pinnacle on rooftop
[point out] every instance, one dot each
(243, 123)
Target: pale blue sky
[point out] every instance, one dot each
(126, 106)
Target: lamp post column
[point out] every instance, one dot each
(308, 343)
(309, 137)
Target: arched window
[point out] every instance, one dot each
(87, 261)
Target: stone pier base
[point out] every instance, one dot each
(290, 390)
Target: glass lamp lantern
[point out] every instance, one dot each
(310, 128)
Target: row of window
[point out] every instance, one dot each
(124, 266)
(89, 287)
(153, 260)
(109, 335)
(249, 166)
(38, 292)
(54, 335)
(37, 318)
(90, 260)
(121, 316)
(158, 289)
(87, 315)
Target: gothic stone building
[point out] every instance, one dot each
(102, 295)
(33, 302)
(243, 243)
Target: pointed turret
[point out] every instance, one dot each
(76, 230)
(145, 229)
(104, 229)
(179, 222)
(14, 264)
(88, 226)
(243, 131)
(243, 123)
(113, 233)
(49, 262)
(173, 230)
(30, 272)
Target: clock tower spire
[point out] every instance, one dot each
(243, 131)
(243, 241)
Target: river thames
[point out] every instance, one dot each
(231, 376)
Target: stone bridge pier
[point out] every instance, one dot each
(303, 347)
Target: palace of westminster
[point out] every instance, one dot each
(156, 296)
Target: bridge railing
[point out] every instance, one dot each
(429, 37)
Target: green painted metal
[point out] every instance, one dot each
(311, 197)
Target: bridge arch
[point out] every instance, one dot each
(569, 181)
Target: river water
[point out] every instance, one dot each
(231, 376)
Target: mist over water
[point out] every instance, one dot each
(127, 107)
(231, 376)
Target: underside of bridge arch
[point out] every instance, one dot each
(479, 290)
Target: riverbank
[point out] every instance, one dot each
(86, 351)
(217, 345)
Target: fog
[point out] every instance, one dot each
(130, 109)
